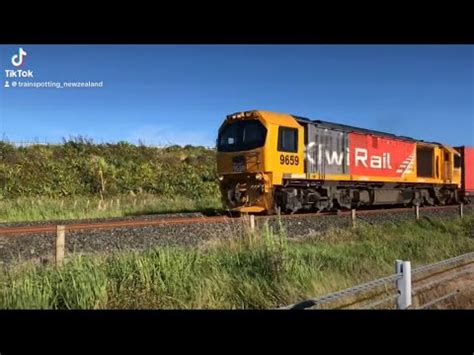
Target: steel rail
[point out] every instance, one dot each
(51, 228)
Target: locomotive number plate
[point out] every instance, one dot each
(289, 160)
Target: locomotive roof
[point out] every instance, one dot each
(347, 128)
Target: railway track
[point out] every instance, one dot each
(113, 224)
(50, 228)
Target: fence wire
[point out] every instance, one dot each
(445, 297)
(378, 303)
(379, 282)
(443, 279)
(450, 261)
(344, 293)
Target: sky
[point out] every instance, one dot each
(166, 94)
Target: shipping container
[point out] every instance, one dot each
(467, 167)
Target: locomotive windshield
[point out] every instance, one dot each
(241, 135)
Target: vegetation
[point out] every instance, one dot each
(78, 168)
(261, 270)
(69, 180)
(83, 207)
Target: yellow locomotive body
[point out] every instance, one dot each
(269, 160)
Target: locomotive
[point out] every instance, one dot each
(269, 162)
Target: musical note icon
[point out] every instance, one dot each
(17, 59)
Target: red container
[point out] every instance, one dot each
(467, 165)
(372, 155)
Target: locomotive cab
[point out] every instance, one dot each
(255, 150)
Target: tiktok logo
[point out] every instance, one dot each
(17, 59)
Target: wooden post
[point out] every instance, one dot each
(252, 223)
(417, 211)
(461, 210)
(60, 242)
(353, 217)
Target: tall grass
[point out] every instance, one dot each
(262, 270)
(43, 208)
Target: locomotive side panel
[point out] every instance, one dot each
(327, 152)
(373, 156)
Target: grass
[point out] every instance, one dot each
(39, 209)
(257, 271)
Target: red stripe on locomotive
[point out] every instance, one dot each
(378, 156)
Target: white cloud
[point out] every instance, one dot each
(166, 135)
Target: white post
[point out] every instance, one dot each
(417, 211)
(403, 284)
(252, 222)
(353, 217)
(461, 210)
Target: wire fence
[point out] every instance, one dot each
(344, 293)
(445, 297)
(402, 286)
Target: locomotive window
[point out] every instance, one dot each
(457, 161)
(241, 135)
(287, 139)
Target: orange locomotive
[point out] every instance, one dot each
(268, 161)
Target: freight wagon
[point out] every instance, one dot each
(270, 161)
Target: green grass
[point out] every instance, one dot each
(38, 209)
(262, 270)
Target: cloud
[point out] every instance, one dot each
(167, 135)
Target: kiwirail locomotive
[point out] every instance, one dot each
(268, 162)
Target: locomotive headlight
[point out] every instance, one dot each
(221, 177)
(259, 176)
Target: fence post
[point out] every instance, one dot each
(353, 217)
(461, 210)
(252, 222)
(417, 211)
(60, 241)
(403, 284)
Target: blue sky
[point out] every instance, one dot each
(166, 94)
